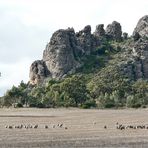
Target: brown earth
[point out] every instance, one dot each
(85, 128)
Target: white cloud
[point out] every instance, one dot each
(26, 26)
(13, 74)
(55, 14)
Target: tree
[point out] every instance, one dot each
(140, 90)
(75, 89)
(36, 96)
(106, 101)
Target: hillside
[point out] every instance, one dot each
(103, 69)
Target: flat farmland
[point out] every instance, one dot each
(79, 128)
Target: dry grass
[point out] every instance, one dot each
(85, 128)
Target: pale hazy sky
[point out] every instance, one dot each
(27, 25)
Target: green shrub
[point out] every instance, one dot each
(136, 105)
(133, 101)
(109, 105)
(143, 106)
(32, 105)
(89, 104)
(18, 105)
(40, 105)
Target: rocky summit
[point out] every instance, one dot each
(64, 53)
(114, 31)
(141, 28)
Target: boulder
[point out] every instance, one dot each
(99, 32)
(38, 72)
(114, 31)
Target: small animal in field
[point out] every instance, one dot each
(60, 125)
(66, 128)
(36, 126)
(46, 126)
(10, 127)
(105, 127)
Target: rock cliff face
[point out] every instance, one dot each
(62, 55)
(142, 27)
(136, 66)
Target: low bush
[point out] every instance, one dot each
(89, 104)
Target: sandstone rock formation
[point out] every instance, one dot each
(142, 27)
(114, 31)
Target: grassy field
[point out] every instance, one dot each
(85, 128)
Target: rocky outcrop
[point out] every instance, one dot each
(142, 27)
(140, 53)
(114, 31)
(86, 40)
(38, 72)
(99, 32)
(135, 63)
(63, 54)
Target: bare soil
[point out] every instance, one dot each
(85, 128)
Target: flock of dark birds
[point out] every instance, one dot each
(30, 126)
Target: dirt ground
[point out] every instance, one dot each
(81, 128)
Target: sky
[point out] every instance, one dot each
(27, 25)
